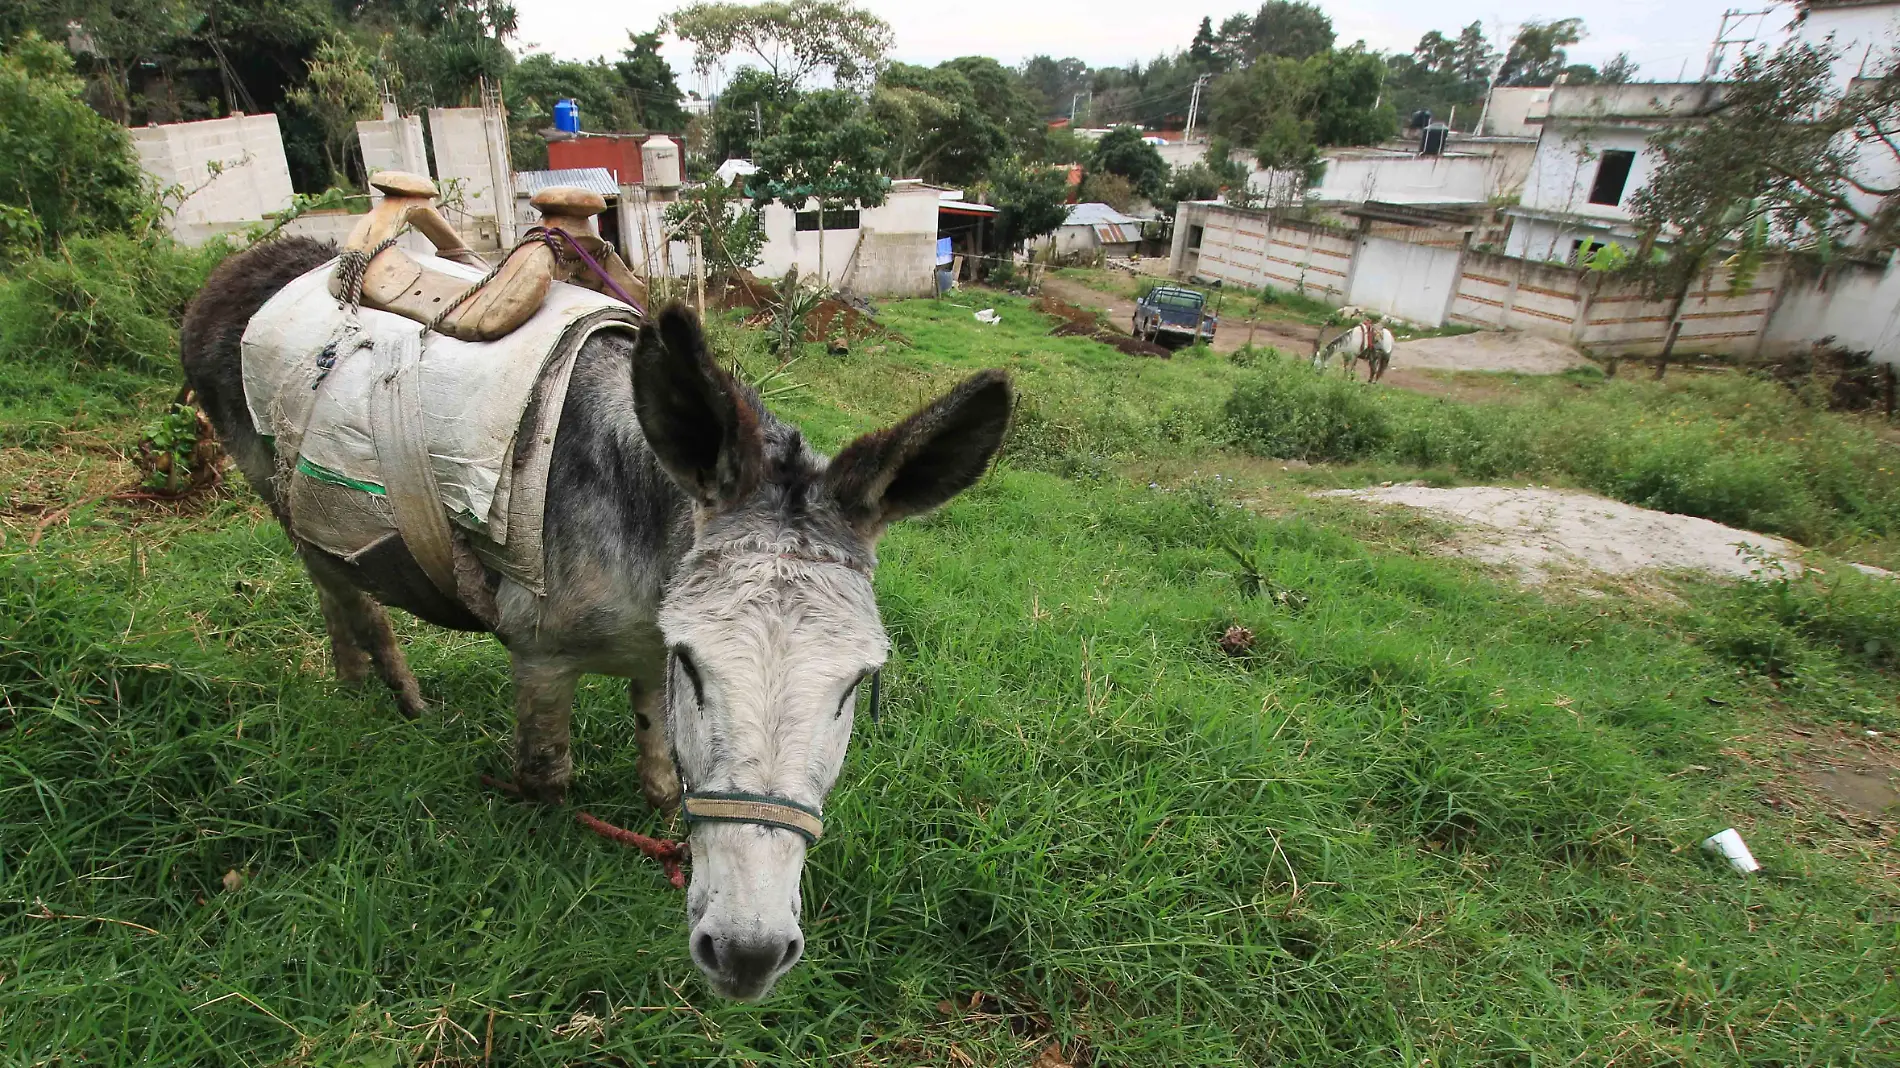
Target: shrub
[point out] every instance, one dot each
(67, 167)
(1287, 409)
(104, 301)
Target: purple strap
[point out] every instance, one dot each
(547, 233)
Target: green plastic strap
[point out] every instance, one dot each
(324, 474)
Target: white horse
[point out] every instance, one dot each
(1364, 340)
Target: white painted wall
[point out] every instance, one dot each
(900, 236)
(393, 145)
(1356, 179)
(464, 160)
(1512, 109)
(1183, 153)
(253, 177)
(1565, 168)
(1861, 34)
(1858, 307)
(1414, 282)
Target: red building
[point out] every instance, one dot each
(619, 154)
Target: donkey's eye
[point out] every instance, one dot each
(850, 694)
(692, 675)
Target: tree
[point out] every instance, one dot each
(748, 112)
(648, 80)
(1782, 157)
(1201, 50)
(937, 129)
(793, 40)
(338, 92)
(1537, 54)
(1197, 181)
(538, 81)
(1123, 151)
(1291, 28)
(730, 231)
(1334, 98)
(827, 149)
(1030, 202)
(1620, 70)
(1102, 187)
(1001, 94)
(1055, 82)
(68, 169)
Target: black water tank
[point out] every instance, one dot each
(1431, 141)
(1420, 119)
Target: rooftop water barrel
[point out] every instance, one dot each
(660, 162)
(567, 116)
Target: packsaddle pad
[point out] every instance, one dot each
(347, 395)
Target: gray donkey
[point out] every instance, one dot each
(696, 546)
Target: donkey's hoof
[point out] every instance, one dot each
(662, 791)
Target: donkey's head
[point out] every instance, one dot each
(772, 622)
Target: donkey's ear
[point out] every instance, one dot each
(925, 460)
(702, 425)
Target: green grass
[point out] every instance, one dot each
(1429, 818)
(1735, 449)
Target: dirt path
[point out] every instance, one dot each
(1542, 532)
(1233, 332)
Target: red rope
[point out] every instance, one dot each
(668, 853)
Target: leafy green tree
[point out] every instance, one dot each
(1002, 96)
(730, 231)
(647, 78)
(1030, 201)
(748, 112)
(1442, 74)
(1291, 28)
(1123, 151)
(1202, 50)
(937, 129)
(538, 81)
(1333, 97)
(339, 90)
(1779, 158)
(1537, 54)
(826, 149)
(68, 170)
(792, 40)
(1196, 181)
(1102, 187)
(1054, 82)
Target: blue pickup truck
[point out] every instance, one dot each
(1174, 314)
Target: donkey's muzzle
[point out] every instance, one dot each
(746, 967)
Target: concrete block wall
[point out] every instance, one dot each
(894, 265)
(1432, 284)
(393, 144)
(247, 151)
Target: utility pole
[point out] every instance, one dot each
(1073, 101)
(1718, 51)
(1194, 107)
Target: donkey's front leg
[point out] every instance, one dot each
(544, 708)
(659, 778)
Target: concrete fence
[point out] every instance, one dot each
(1778, 311)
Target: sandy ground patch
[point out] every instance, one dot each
(1542, 532)
(1487, 350)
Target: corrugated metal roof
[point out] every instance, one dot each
(1117, 234)
(965, 207)
(593, 179)
(1096, 213)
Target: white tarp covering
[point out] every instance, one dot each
(473, 396)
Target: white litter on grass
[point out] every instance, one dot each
(1539, 531)
(1729, 846)
(988, 316)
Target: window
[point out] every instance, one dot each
(1195, 233)
(834, 220)
(1613, 173)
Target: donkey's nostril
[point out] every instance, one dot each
(793, 948)
(705, 954)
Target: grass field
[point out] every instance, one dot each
(1428, 818)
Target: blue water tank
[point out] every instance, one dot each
(567, 116)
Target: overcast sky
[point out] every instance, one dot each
(1659, 34)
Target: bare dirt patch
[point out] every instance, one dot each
(1542, 532)
(1234, 332)
(1487, 350)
